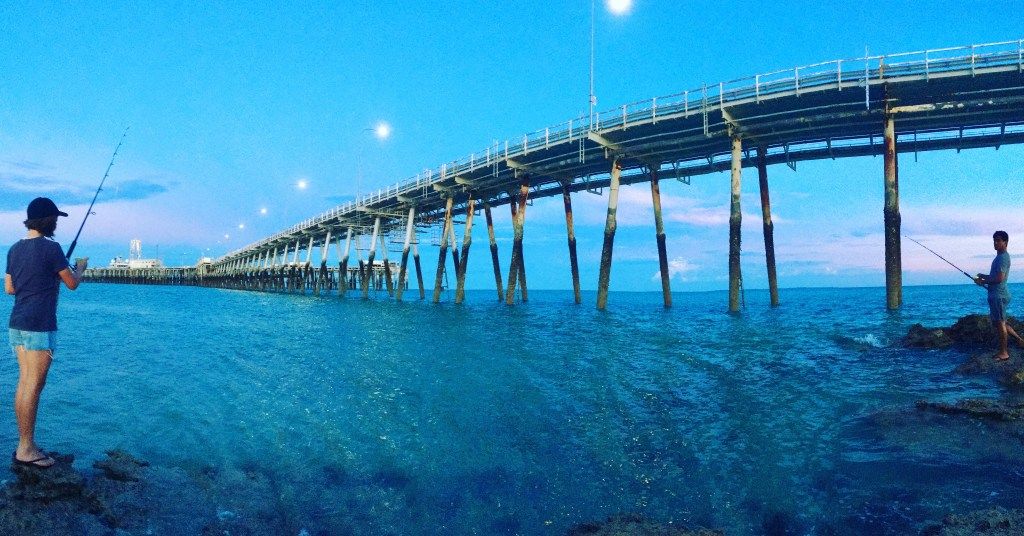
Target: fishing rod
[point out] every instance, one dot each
(969, 276)
(74, 242)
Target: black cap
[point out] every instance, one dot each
(42, 207)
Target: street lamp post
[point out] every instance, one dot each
(616, 7)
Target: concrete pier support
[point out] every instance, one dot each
(388, 283)
(343, 267)
(571, 233)
(370, 257)
(891, 211)
(494, 251)
(409, 226)
(735, 219)
(467, 240)
(516, 270)
(609, 236)
(419, 272)
(455, 248)
(659, 230)
(769, 232)
(445, 232)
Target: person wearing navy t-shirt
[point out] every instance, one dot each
(35, 268)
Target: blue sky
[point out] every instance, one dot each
(231, 104)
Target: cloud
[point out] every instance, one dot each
(21, 188)
(677, 269)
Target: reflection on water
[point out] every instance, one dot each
(373, 417)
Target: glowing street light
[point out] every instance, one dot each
(619, 7)
(382, 130)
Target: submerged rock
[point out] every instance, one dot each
(634, 524)
(980, 408)
(120, 465)
(45, 485)
(993, 522)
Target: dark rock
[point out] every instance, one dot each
(996, 521)
(634, 524)
(980, 408)
(121, 466)
(57, 482)
(1009, 372)
(921, 337)
(970, 330)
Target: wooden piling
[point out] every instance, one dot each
(571, 233)
(343, 267)
(769, 233)
(891, 211)
(388, 284)
(419, 273)
(370, 256)
(467, 239)
(515, 269)
(494, 251)
(443, 249)
(659, 233)
(735, 219)
(409, 226)
(609, 236)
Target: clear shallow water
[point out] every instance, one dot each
(374, 417)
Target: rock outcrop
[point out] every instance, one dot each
(992, 522)
(635, 525)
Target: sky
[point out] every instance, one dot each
(230, 105)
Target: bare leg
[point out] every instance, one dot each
(33, 366)
(1003, 353)
(1012, 333)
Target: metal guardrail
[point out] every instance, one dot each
(848, 73)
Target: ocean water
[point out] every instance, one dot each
(323, 415)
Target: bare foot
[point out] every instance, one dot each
(1001, 357)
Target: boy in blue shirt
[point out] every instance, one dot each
(998, 294)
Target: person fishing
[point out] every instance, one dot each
(999, 294)
(36, 266)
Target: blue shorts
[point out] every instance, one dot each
(33, 340)
(997, 308)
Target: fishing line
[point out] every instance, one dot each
(940, 256)
(74, 242)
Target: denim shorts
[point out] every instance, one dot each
(997, 308)
(33, 340)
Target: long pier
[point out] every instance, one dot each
(943, 99)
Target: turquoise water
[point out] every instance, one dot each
(345, 416)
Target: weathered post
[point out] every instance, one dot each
(419, 272)
(455, 249)
(467, 239)
(571, 233)
(370, 256)
(444, 247)
(343, 267)
(321, 275)
(409, 226)
(769, 233)
(516, 271)
(494, 251)
(659, 230)
(609, 236)
(735, 219)
(307, 268)
(389, 285)
(891, 211)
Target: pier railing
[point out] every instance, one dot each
(841, 75)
